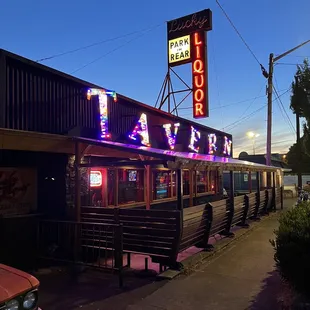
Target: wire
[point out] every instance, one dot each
(227, 105)
(251, 103)
(112, 51)
(217, 79)
(239, 34)
(93, 44)
(288, 64)
(237, 123)
(280, 101)
(287, 117)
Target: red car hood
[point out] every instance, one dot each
(14, 282)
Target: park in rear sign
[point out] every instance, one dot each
(187, 43)
(179, 50)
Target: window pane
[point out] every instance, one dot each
(185, 182)
(174, 184)
(111, 187)
(201, 181)
(214, 181)
(130, 186)
(161, 184)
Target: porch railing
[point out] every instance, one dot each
(163, 234)
(96, 245)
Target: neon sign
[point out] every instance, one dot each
(141, 129)
(103, 108)
(95, 178)
(227, 146)
(171, 137)
(200, 107)
(187, 24)
(195, 137)
(212, 143)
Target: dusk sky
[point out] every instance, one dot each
(136, 63)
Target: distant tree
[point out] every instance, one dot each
(295, 161)
(300, 100)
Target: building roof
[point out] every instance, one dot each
(261, 159)
(92, 85)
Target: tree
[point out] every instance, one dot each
(298, 161)
(300, 100)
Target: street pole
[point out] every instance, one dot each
(269, 110)
(299, 173)
(272, 61)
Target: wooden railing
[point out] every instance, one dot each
(98, 245)
(148, 232)
(163, 234)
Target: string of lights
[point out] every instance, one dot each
(96, 44)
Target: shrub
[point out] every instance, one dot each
(306, 188)
(292, 247)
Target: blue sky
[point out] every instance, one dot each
(136, 65)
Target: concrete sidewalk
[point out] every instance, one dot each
(241, 277)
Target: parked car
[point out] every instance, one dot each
(18, 290)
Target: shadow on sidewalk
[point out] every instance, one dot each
(268, 298)
(92, 290)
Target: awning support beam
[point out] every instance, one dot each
(130, 163)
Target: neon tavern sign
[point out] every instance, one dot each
(103, 108)
(171, 136)
(141, 129)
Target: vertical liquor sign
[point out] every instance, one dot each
(187, 44)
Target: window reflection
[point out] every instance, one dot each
(130, 186)
(162, 184)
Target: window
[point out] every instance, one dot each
(174, 183)
(214, 181)
(130, 186)
(111, 187)
(186, 182)
(161, 184)
(201, 181)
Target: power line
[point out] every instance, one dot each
(280, 101)
(112, 51)
(226, 105)
(240, 36)
(216, 78)
(251, 103)
(93, 44)
(288, 119)
(236, 123)
(288, 64)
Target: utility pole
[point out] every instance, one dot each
(269, 110)
(299, 172)
(272, 61)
